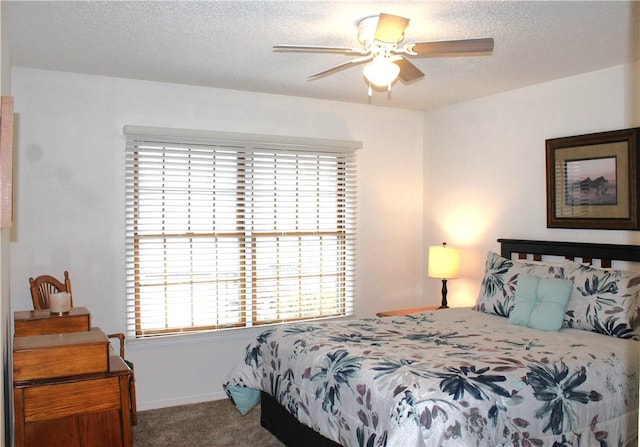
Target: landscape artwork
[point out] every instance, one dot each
(591, 182)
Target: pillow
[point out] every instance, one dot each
(539, 303)
(603, 300)
(243, 398)
(501, 278)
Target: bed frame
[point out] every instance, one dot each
(606, 253)
(288, 430)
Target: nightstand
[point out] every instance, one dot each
(415, 310)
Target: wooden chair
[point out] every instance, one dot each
(132, 384)
(44, 285)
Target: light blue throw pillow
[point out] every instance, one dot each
(540, 302)
(243, 398)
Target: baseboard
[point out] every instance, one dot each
(182, 400)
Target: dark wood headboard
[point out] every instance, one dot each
(585, 250)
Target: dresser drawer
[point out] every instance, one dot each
(59, 355)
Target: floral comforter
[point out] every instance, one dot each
(454, 377)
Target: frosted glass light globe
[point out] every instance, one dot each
(381, 73)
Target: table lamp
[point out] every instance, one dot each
(443, 264)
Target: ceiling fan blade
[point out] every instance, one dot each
(390, 28)
(458, 47)
(341, 66)
(408, 71)
(318, 49)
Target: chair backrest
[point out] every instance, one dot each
(44, 285)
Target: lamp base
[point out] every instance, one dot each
(444, 295)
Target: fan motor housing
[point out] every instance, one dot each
(367, 29)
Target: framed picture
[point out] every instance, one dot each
(592, 181)
(6, 161)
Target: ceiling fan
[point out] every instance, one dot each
(380, 36)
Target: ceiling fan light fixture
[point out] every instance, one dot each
(381, 72)
(379, 36)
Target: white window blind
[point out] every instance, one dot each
(226, 230)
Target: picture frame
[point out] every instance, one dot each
(592, 181)
(6, 161)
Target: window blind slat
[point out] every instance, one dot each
(223, 233)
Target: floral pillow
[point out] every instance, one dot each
(501, 278)
(603, 301)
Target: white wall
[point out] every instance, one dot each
(70, 202)
(6, 395)
(485, 165)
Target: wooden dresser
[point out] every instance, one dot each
(69, 390)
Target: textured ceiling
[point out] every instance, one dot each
(228, 44)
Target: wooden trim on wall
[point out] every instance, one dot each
(6, 161)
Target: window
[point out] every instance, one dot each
(226, 230)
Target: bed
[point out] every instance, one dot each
(548, 356)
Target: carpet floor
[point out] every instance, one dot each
(208, 424)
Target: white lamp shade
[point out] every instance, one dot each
(443, 262)
(381, 72)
